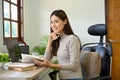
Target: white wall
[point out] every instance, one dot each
(81, 13)
(2, 47)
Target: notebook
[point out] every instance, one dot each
(22, 66)
(28, 58)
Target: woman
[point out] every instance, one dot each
(64, 44)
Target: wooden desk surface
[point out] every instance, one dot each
(17, 75)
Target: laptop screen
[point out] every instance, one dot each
(14, 50)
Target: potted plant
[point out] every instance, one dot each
(42, 46)
(4, 57)
(15, 53)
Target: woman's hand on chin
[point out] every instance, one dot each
(54, 36)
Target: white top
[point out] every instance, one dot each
(68, 56)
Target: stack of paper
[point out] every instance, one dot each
(22, 66)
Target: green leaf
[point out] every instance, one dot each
(42, 46)
(4, 57)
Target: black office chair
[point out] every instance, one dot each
(104, 49)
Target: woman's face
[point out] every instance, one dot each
(57, 24)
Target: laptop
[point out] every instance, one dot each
(14, 50)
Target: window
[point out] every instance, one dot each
(13, 19)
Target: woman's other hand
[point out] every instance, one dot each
(45, 62)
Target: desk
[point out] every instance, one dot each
(17, 75)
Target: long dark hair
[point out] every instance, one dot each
(67, 29)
